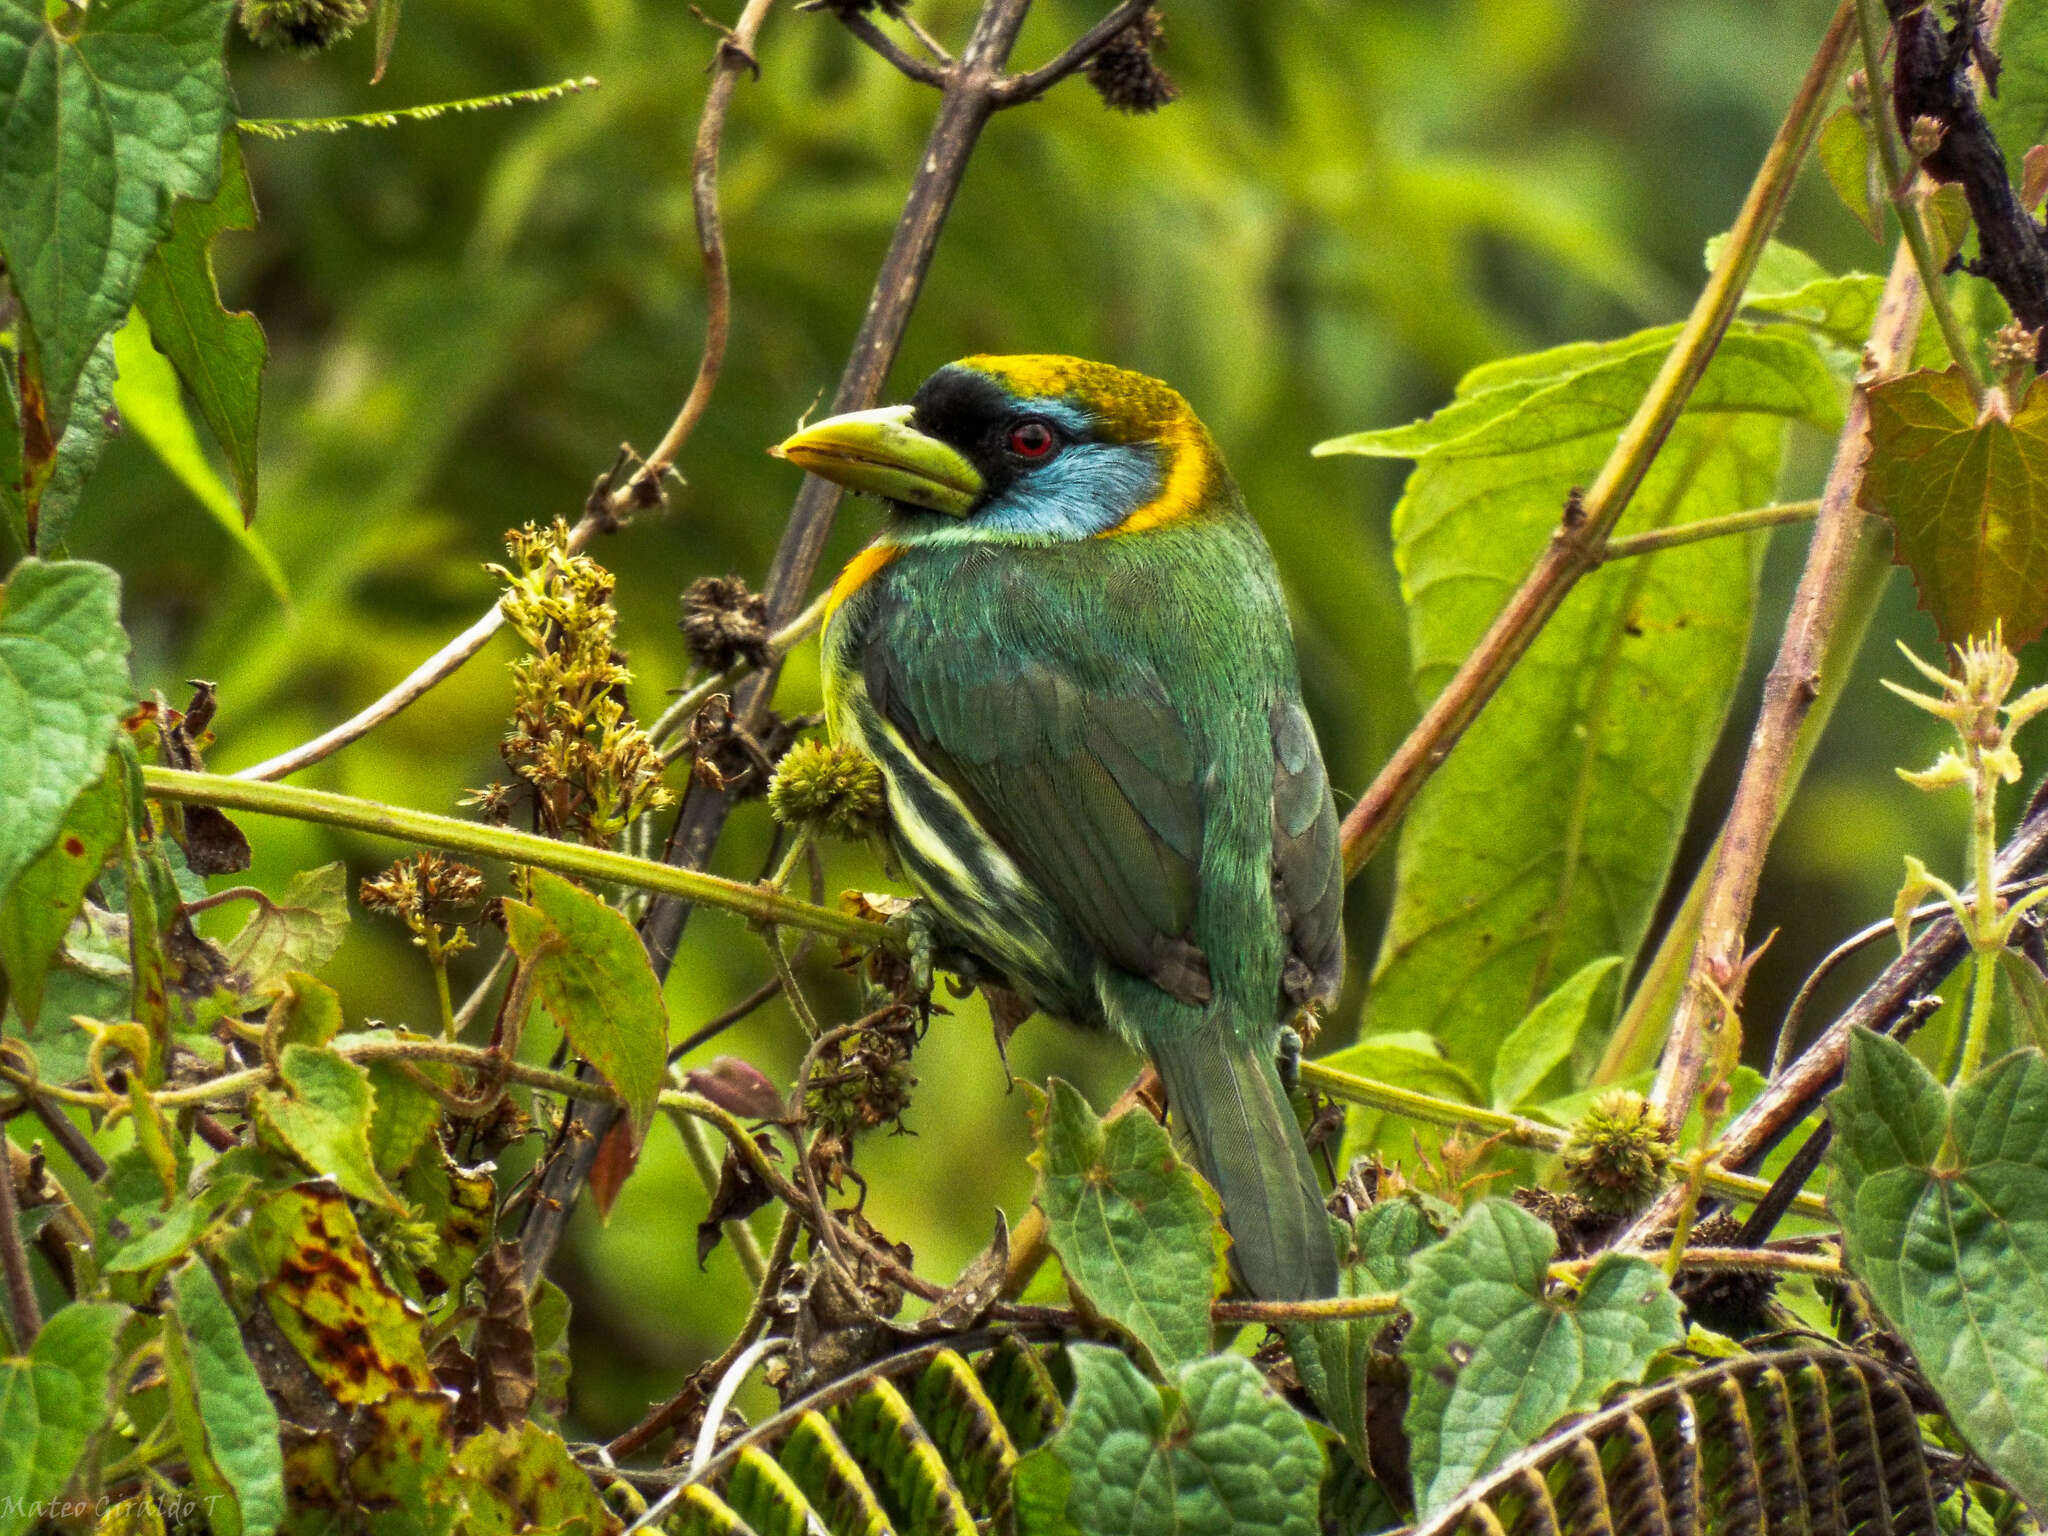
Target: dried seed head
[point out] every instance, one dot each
(830, 788)
(1925, 136)
(1618, 1153)
(725, 623)
(304, 26)
(1124, 72)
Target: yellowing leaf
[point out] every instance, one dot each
(1968, 502)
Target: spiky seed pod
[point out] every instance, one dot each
(1124, 73)
(1618, 1154)
(304, 26)
(832, 789)
(725, 623)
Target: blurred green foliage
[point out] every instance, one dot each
(1351, 204)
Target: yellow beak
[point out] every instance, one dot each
(881, 453)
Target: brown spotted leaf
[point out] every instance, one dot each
(1968, 502)
(504, 1339)
(522, 1479)
(357, 1333)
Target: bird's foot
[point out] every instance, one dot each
(1287, 1057)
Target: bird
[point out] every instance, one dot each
(1067, 651)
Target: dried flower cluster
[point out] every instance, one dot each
(590, 768)
(424, 891)
(864, 1081)
(1124, 73)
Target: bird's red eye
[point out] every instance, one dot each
(1031, 440)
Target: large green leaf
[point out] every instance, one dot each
(1134, 1230)
(1214, 1453)
(36, 912)
(1495, 1360)
(2019, 112)
(114, 110)
(219, 355)
(1544, 841)
(297, 931)
(1943, 1200)
(51, 1404)
(225, 1419)
(1546, 1037)
(321, 1112)
(1968, 502)
(63, 686)
(590, 971)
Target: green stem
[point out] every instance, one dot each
(1899, 179)
(1984, 915)
(754, 902)
(1731, 523)
(1513, 1129)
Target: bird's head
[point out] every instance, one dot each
(1032, 449)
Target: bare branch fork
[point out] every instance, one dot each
(972, 89)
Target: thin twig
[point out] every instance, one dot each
(1789, 1097)
(636, 1439)
(674, 718)
(1794, 682)
(1589, 520)
(21, 1287)
(884, 47)
(719, 1023)
(1655, 540)
(735, 58)
(1032, 84)
(640, 490)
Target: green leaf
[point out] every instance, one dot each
(111, 116)
(153, 408)
(322, 1115)
(1943, 1200)
(2019, 112)
(1217, 1452)
(1849, 159)
(298, 931)
(51, 1404)
(219, 355)
(406, 1112)
(225, 1420)
(325, 1292)
(1134, 1230)
(1494, 1360)
(1333, 1358)
(307, 1012)
(1968, 502)
(1546, 839)
(2024, 992)
(591, 973)
(1546, 1037)
(63, 688)
(36, 913)
(40, 497)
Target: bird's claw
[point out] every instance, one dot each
(1287, 1057)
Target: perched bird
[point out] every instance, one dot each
(1068, 653)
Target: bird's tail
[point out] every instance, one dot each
(1227, 1100)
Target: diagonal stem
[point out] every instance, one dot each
(1588, 521)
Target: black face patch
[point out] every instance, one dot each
(971, 412)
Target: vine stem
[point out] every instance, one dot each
(1588, 520)
(1516, 1130)
(1715, 977)
(754, 902)
(21, 1288)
